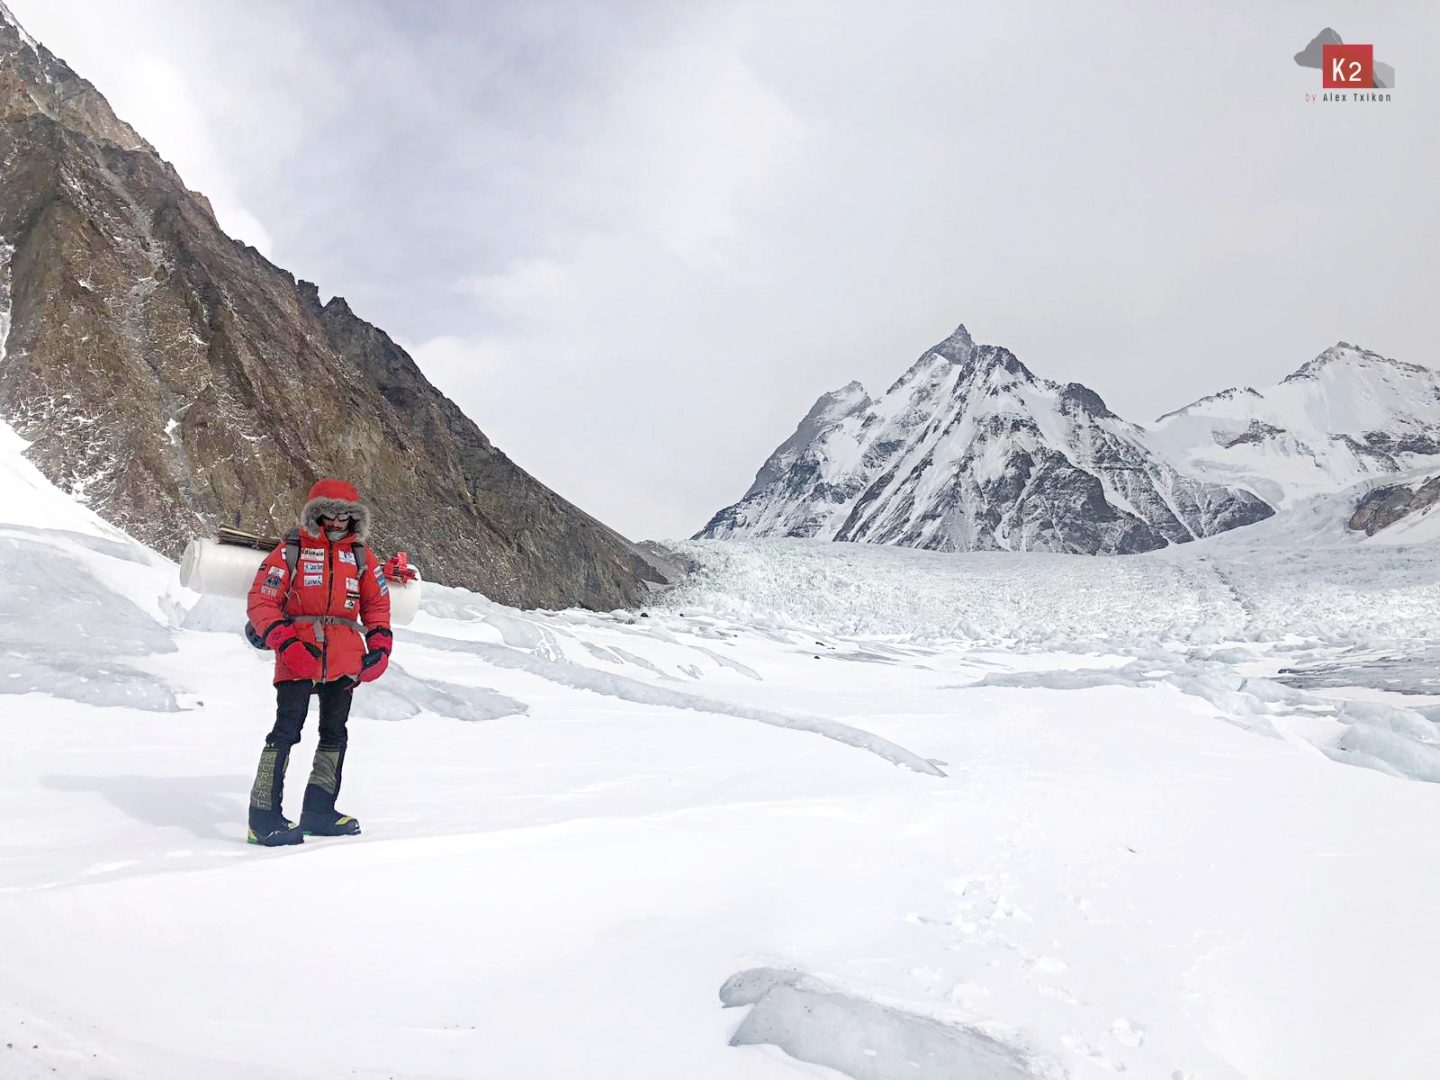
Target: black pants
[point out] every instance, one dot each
(292, 703)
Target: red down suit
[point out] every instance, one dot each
(329, 599)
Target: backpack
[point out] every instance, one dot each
(292, 560)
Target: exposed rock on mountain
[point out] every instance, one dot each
(176, 380)
(1385, 506)
(1346, 416)
(968, 450)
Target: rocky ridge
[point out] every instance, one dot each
(176, 380)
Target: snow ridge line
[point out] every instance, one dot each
(642, 693)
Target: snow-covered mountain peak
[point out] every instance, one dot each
(993, 364)
(1345, 416)
(1344, 356)
(958, 344)
(1200, 404)
(968, 449)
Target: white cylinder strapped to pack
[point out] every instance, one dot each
(217, 569)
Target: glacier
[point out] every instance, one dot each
(1082, 816)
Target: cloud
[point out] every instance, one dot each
(635, 242)
(456, 361)
(526, 290)
(690, 138)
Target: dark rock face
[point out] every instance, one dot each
(1415, 442)
(1385, 506)
(176, 380)
(970, 451)
(1256, 433)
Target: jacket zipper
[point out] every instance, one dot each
(329, 606)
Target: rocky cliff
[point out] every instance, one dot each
(176, 380)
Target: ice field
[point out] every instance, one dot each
(824, 811)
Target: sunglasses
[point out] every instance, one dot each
(342, 519)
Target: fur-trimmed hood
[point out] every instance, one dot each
(329, 498)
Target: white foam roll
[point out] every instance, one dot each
(217, 569)
(404, 600)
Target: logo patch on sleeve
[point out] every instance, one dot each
(269, 590)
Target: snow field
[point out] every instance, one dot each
(1117, 841)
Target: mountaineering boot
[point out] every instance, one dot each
(318, 817)
(286, 834)
(332, 824)
(268, 826)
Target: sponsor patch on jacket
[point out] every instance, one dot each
(352, 585)
(350, 604)
(269, 590)
(314, 568)
(347, 557)
(314, 579)
(273, 578)
(312, 553)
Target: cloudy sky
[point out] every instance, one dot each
(636, 241)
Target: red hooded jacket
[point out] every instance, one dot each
(327, 582)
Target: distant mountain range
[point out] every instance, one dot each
(1346, 416)
(969, 450)
(174, 379)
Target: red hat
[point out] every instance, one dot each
(330, 488)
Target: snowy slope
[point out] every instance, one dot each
(1058, 853)
(1347, 416)
(970, 451)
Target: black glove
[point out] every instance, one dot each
(373, 664)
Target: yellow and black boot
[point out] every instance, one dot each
(318, 817)
(268, 826)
